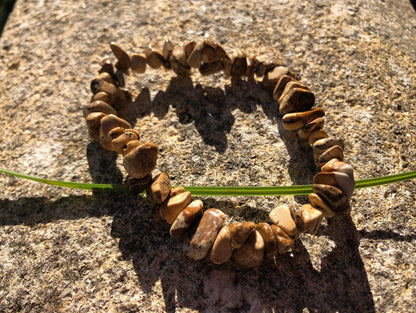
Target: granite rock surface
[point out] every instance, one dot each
(77, 251)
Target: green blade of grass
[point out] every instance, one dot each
(224, 191)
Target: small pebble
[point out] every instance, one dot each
(195, 58)
(222, 249)
(99, 106)
(321, 145)
(154, 56)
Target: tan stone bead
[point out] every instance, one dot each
(321, 145)
(154, 57)
(335, 165)
(185, 219)
(195, 58)
(177, 190)
(101, 96)
(270, 244)
(171, 208)
(141, 161)
(121, 55)
(108, 123)
(98, 106)
(222, 249)
(294, 121)
(178, 61)
(188, 48)
(308, 219)
(115, 132)
(281, 85)
(335, 152)
(211, 68)
(334, 196)
(281, 217)
(106, 66)
(130, 146)
(209, 54)
(251, 253)
(221, 54)
(240, 231)
(252, 63)
(121, 141)
(283, 240)
(343, 174)
(202, 240)
(119, 77)
(296, 100)
(167, 49)
(239, 65)
(317, 134)
(306, 130)
(289, 86)
(321, 204)
(138, 63)
(159, 190)
(109, 78)
(261, 69)
(98, 84)
(93, 124)
(271, 78)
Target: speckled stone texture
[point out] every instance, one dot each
(74, 251)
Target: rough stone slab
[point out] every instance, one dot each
(73, 251)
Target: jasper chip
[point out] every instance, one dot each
(184, 220)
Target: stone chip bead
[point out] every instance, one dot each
(239, 64)
(321, 204)
(106, 66)
(344, 175)
(316, 134)
(140, 161)
(334, 196)
(222, 248)
(335, 152)
(283, 240)
(195, 57)
(307, 218)
(178, 61)
(121, 55)
(99, 106)
(306, 130)
(270, 244)
(296, 100)
(171, 208)
(154, 56)
(251, 253)
(321, 145)
(271, 78)
(93, 121)
(240, 231)
(185, 219)
(282, 217)
(138, 63)
(294, 121)
(101, 96)
(119, 142)
(108, 123)
(280, 86)
(204, 237)
(159, 190)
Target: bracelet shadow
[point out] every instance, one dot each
(292, 283)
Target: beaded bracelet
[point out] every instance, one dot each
(208, 233)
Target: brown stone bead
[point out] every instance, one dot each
(188, 48)
(109, 78)
(261, 69)
(178, 61)
(221, 54)
(138, 63)
(326, 179)
(334, 196)
(240, 231)
(271, 78)
(202, 240)
(185, 219)
(171, 208)
(98, 84)
(141, 161)
(270, 244)
(101, 96)
(195, 58)
(227, 64)
(130, 146)
(321, 204)
(294, 121)
(335, 165)
(289, 86)
(137, 185)
(252, 63)
(93, 124)
(320, 146)
(222, 249)
(209, 54)
(211, 68)
(306, 130)
(283, 240)
(109, 122)
(98, 106)
(167, 49)
(159, 190)
(239, 65)
(308, 219)
(121, 55)
(115, 133)
(282, 217)
(343, 174)
(296, 100)
(121, 141)
(154, 57)
(335, 152)
(317, 134)
(280, 86)
(106, 66)
(251, 253)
